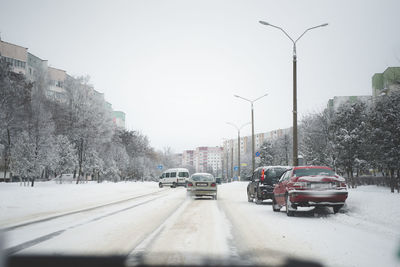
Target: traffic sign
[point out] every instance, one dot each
(258, 154)
(236, 168)
(160, 167)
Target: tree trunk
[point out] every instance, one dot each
(391, 180)
(33, 181)
(398, 181)
(80, 161)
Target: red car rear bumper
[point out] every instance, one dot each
(318, 197)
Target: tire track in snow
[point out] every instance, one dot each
(6, 229)
(46, 237)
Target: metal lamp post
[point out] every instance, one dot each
(238, 129)
(252, 127)
(295, 144)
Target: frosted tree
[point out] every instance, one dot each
(267, 154)
(15, 96)
(349, 129)
(23, 156)
(385, 122)
(65, 158)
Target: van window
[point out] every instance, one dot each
(163, 175)
(167, 175)
(173, 174)
(183, 174)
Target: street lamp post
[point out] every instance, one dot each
(238, 129)
(295, 143)
(252, 127)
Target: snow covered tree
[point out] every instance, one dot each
(65, 158)
(15, 96)
(316, 145)
(350, 129)
(267, 154)
(385, 122)
(23, 156)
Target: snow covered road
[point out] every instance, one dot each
(165, 226)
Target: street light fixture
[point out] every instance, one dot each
(238, 129)
(295, 143)
(252, 127)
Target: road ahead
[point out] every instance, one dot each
(166, 226)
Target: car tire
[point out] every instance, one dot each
(289, 211)
(173, 185)
(258, 201)
(275, 206)
(160, 185)
(215, 197)
(249, 198)
(337, 208)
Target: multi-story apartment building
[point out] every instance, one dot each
(188, 158)
(337, 101)
(386, 81)
(35, 68)
(204, 159)
(259, 139)
(16, 55)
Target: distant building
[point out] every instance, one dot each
(385, 82)
(259, 139)
(119, 119)
(188, 158)
(56, 87)
(16, 55)
(33, 67)
(208, 159)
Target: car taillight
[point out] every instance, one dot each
(213, 185)
(189, 184)
(301, 185)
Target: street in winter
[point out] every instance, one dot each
(165, 226)
(202, 132)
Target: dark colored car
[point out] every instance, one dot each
(262, 183)
(308, 186)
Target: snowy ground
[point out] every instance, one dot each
(166, 226)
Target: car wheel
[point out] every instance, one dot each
(249, 198)
(275, 206)
(173, 185)
(289, 207)
(215, 197)
(160, 185)
(258, 201)
(337, 208)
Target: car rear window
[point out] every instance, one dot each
(203, 177)
(313, 171)
(173, 174)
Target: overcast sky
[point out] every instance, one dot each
(174, 66)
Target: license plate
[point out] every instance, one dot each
(321, 186)
(201, 184)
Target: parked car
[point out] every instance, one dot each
(262, 182)
(309, 186)
(174, 177)
(202, 184)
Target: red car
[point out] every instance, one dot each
(309, 186)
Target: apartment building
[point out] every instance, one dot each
(35, 68)
(259, 139)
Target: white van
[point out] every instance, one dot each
(174, 177)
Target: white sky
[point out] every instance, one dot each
(173, 66)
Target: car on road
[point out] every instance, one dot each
(262, 183)
(308, 186)
(174, 177)
(202, 184)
